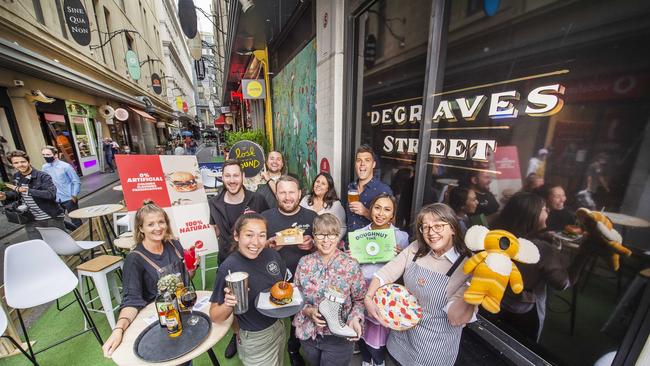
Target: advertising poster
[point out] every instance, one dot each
(173, 183)
(372, 246)
(508, 181)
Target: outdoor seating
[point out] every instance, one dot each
(63, 244)
(101, 271)
(3, 328)
(35, 275)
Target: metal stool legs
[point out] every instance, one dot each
(13, 341)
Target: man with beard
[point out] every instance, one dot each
(367, 186)
(289, 214)
(274, 168)
(225, 208)
(479, 182)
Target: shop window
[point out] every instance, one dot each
(391, 86)
(59, 11)
(129, 41)
(552, 96)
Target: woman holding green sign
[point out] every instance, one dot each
(382, 213)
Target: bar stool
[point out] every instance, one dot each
(3, 328)
(101, 271)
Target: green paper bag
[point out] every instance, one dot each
(372, 246)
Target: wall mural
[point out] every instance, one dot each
(294, 112)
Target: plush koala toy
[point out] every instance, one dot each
(599, 230)
(493, 267)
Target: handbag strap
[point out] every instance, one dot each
(154, 265)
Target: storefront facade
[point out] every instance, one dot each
(557, 89)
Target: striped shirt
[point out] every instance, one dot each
(33, 207)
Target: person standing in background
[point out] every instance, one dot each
(537, 164)
(274, 169)
(108, 155)
(65, 178)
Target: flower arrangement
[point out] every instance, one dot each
(168, 283)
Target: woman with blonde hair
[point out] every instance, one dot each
(156, 252)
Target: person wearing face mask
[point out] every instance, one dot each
(65, 179)
(37, 191)
(126, 150)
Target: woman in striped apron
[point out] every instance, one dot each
(430, 268)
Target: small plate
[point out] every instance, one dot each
(280, 311)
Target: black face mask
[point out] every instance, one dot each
(49, 159)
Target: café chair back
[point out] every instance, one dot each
(3, 328)
(63, 244)
(35, 275)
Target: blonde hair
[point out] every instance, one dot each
(326, 223)
(149, 207)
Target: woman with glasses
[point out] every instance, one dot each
(431, 270)
(317, 273)
(323, 199)
(525, 216)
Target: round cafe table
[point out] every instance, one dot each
(98, 212)
(124, 354)
(627, 220)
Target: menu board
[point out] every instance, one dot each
(173, 183)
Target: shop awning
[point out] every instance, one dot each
(144, 115)
(220, 121)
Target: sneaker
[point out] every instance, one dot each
(364, 363)
(331, 308)
(231, 349)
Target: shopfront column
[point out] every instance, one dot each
(28, 124)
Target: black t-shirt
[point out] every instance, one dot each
(558, 219)
(263, 271)
(233, 212)
(303, 219)
(140, 278)
(487, 204)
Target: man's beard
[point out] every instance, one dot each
(291, 209)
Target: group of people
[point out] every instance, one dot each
(47, 194)
(186, 146)
(430, 266)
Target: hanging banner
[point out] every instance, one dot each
(253, 88)
(196, 47)
(156, 85)
(173, 183)
(187, 17)
(199, 67)
(77, 21)
(133, 64)
(186, 108)
(179, 103)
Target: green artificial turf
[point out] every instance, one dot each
(84, 349)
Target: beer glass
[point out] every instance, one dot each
(353, 195)
(237, 282)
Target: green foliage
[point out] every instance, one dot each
(257, 136)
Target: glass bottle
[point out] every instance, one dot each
(161, 308)
(173, 316)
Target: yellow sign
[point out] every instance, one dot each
(254, 89)
(179, 103)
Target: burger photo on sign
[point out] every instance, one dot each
(183, 182)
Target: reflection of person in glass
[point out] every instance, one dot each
(156, 251)
(525, 216)
(558, 215)
(596, 182)
(479, 182)
(36, 189)
(430, 268)
(464, 203)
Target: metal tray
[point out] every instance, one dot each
(154, 345)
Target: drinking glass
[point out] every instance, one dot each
(188, 298)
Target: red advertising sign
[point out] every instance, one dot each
(506, 162)
(142, 179)
(186, 108)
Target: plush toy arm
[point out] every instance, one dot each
(619, 248)
(516, 282)
(471, 263)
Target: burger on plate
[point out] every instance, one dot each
(183, 181)
(281, 293)
(573, 230)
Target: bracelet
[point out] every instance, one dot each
(127, 319)
(119, 328)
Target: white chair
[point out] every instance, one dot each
(122, 220)
(35, 275)
(204, 268)
(3, 328)
(63, 244)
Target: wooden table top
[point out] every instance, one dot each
(124, 354)
(95, 211)
(126, 242)
(627, 220)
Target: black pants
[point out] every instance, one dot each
(70, 206)
(293, 345)
(327, 350)
(109, 162)
(369, 354)
(32, 233)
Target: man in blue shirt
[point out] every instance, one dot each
(368, 187)
(65, 179)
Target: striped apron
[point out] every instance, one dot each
(433, 341)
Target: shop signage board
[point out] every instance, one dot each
(173, 183)
(372, 246)
(179, 103)
(156, 85)
(253, 88)
(133, 64)
(76, 19)
(186, 108)
(250, 156)
(121, 114)
(196, 47)
(187, 17)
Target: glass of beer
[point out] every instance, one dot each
(353, 195)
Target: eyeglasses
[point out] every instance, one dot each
(328, 236)
(437, 228)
